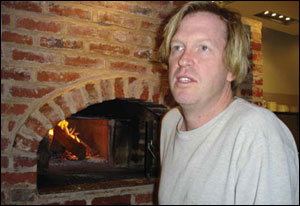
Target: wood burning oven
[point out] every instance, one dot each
(113, 140)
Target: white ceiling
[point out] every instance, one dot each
(287, 8)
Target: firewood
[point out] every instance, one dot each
(76, 148)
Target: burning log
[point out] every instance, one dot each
(74, 146)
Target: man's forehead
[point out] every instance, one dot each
(205, 22)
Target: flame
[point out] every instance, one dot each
(64, 126)
(51, 132)
(72, 134)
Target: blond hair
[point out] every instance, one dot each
(237, 47)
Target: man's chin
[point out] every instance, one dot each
(185, 101)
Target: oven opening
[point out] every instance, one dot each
(110, 141)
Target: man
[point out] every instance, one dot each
(217, 148)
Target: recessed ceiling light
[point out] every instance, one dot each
(273, 16)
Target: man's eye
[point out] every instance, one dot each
(177, 48)
(204, 48)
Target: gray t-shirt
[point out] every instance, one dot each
(244, 155)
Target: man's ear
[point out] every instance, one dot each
(230, 77)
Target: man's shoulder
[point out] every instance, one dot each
(252, 111)
(253, 117)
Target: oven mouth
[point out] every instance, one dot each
(131, 131)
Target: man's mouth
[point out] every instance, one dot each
(184, 79)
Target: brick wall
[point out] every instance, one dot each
(57, 58)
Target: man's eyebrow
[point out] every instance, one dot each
(176, 41)
(196, 41)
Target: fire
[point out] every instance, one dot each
(51, 134)
(70, 132)
(64, 126)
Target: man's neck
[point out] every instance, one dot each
(196, 116)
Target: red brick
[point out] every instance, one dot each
(144, 198)
(15, 109)
(5, 142)
(149, 26)
(145, 93)
(132, 38)
(114, 200)
(47, 76)
(109, 49)
(17, 38)
(92, 92)
(36, 126)
(31, 56)
(139, 10)
(88, 31)
(256, 46)
(127, 67)
(4, 162)
(179, 3)
(257, 92)
(134, 9)
(156, 95)
(60, 101)
(17, 91)
(16, 178)
(83, 61)
(75, 202)
(119, 93)
(5, 19)
(257, 56)
(51, 115)
(159, 69)
(20, 162)
(159, 3)
(256, 68)
(60, 43)
(132, 79)
(15, 74)
(77, 98)
(25, 144)
(23, 5)
(106, 4)
(165, 14)
(119, 20)
(11, 125)
(123, 7)
(258, 82)
(30, 24)
(70, 12)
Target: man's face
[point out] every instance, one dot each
(197, 74)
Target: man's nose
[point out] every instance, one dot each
(186, 59)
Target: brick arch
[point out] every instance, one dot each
(61, 106)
